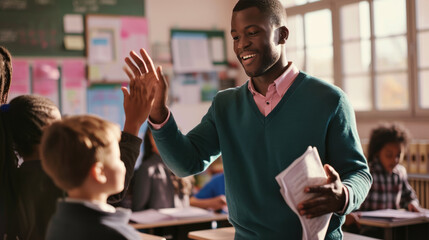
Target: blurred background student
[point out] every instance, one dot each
(212, 195)
(154, 185)
(390, 188)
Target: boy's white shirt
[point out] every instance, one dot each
(100, 206)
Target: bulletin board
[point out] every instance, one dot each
(197, 50)
(36, 28)
(109, 39)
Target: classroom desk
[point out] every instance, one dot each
(415, 228)
(228, 234)
(150, 237)
(179, 228)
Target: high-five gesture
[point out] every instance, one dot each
(143, 69)
(139, 100)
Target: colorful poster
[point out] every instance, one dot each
(106, 101)
(73, 87)
(20, 79)
(45, 79)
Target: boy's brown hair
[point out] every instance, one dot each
(71, 146)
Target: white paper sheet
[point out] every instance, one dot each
(306, 170)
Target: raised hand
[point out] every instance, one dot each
(139, 100)
(143, 68)
(328, 198)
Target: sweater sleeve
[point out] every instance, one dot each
(345, 155)
(191, 153)
(130, 148)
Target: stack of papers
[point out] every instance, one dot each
(306, 170)
(165, 214)
(393, 214)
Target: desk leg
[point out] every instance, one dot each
(388, 234)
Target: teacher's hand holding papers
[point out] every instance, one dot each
(329, 197)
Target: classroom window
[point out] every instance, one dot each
(310, 43)
(372, 49)
(422, 20)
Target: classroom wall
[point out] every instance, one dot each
(216, 14)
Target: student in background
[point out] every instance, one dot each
(81, 154)
(5, 80)
(390, 189)
(5, 74)
(262, 127)
(155, 186)
(212, 195)
(28, 195)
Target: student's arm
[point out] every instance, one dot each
(184, 155)
(409, 199)
(142, 188)
(214, 203)
(348, 167)
(137, 106)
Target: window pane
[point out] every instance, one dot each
(318, 28)
(355, 21)
(389, 17)
(291, 3)
(296, 32)
(422, 14)
(356, 57)
(392, 91)
(391, 54)
(319, 61)
(297, 57)
(423, 49)
(359, 91)
(424, 89)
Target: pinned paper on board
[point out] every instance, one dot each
(45, 79)
(21, 79)
(74, 87)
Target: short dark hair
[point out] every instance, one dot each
(272, 8)
(386, 133)
(5, 74)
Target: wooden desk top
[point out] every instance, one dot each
(183, 221)
(385, 223)
(228, 234)
(151, 237)
(213, 234)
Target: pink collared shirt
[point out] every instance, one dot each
(275, 91)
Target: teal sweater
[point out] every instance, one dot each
(256, 148)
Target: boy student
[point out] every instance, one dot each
(262, 127)
(81, 155)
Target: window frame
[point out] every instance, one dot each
(414, 111)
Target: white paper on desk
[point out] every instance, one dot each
(149, 216)
(187, 212)
(391, 214)
(306, 170)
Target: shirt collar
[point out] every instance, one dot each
(100, 206)
(282, 83)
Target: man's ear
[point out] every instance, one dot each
(97, 172)
(283, 34)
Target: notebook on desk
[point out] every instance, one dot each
(165, 214)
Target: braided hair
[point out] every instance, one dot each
(5, 73)
(21, 124)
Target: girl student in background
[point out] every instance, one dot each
(155, 186)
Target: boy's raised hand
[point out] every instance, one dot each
(139, 100)
(143, 68)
